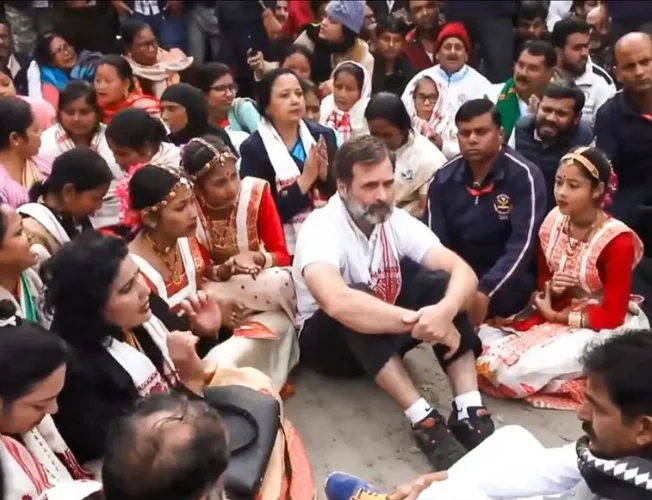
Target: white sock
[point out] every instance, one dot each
(418, 411)
(465, 401)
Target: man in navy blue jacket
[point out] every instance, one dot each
(487, 205)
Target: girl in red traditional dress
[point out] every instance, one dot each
(35, 459)
(241, 230)
(586, 259)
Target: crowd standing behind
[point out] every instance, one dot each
(196, 196)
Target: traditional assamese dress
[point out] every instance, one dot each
(40, 461)
(55, 141)
(528, 358)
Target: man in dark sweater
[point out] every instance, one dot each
(16, 62)
(555, 129)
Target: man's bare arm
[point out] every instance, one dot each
(355, 309)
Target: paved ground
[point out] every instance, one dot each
(352, 426)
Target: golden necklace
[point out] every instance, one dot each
(573, 245)
(163, 254)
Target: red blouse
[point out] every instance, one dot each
(270, 230)
(615, 268)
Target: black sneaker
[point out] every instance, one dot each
(473, 430)
(437, 442)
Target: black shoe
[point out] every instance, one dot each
(437, 442)
(473, 430)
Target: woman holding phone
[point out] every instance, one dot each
(292, 155)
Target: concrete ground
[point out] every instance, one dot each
(351, 426)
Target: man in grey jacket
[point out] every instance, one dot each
(612, 461)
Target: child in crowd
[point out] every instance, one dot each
(344, 108)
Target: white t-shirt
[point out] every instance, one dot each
(329, 235)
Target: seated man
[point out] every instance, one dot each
(613, 460)
(359, 313)
(556, 128)
(167, 447)
(487, 205)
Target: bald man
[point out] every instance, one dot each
(623, 127)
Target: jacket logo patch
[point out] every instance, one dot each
(503, 206)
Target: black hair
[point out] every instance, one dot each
(78, 89)
(309, 87)
(322, 55)
(264, 94)
(315, 5)
(531, 9)
(352, 69)
(292, 49)
(208, 73)
(15, 116)
(145, 459)
(622, 363)
(543, 49)
(28, 354)
(365, 149)
(196, 155)
(150, 185)
(565, 28)
(84, 168)
(129, 31)
(601, 162)
(135, 128)
(7, 72)
(78, 280)
(42, 52)
(389, 107)
(477, 107)
(566, 89)
(392, 24)
(122, 67)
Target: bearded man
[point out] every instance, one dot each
(359, 310)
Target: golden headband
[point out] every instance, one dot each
(218, 159)
(585, 162)
(181, 183)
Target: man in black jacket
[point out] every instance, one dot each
(555, 129)
(16, 62)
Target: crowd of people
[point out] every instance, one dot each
(195, 197)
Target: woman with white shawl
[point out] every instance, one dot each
(417, 158)
(35, 458)
(291, 154)
(344, 109)
(79, 124)
(433, 113)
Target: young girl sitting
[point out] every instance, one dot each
(433, 114)
(344, 109)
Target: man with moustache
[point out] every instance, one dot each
(16, 62)
(421, 42)
(623, 127)
(571, 38)
(556, 128)
(487, 205)
(612, 461)
(519, 95)
(360, 311)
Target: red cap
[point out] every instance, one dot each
(454, 30)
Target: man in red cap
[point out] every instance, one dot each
(452, 51)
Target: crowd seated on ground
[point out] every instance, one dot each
(328, 184)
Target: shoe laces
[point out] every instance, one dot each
(363, 494)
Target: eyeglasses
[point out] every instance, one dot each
(424, 98)
(222, 89)
(62, 49)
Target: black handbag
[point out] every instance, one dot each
(253, 420)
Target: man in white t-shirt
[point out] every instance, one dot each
(372, 282)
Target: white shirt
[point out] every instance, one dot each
(330, 236)
(147, 7)
(598, 88)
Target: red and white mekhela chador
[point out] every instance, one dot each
(529, 358)
(268, 341)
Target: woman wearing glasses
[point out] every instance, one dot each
(432, 111)
(225, 110)
(59, 63)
